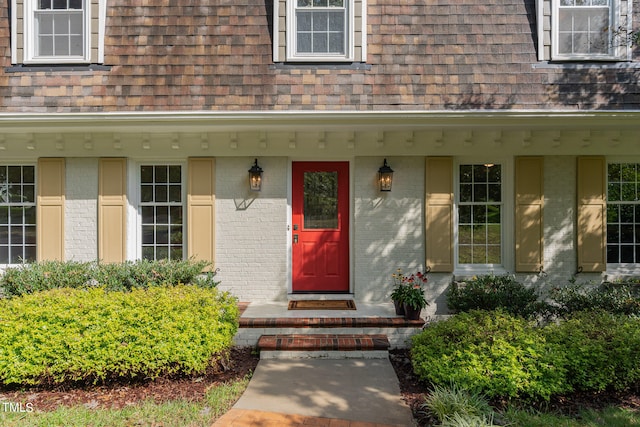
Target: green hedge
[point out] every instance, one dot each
(505, 356)
(490, 292)
(490, 352)
(602, 350)
(35, 277)
(91, 335)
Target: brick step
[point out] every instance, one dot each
(323, 342)
(329, 322)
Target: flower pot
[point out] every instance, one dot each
(399, 306)
(411, 313)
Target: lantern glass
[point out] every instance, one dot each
(385, 177)
(255, 177)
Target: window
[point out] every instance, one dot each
(17, 214)
(161, 212)
(590, 29)
(623, 214)
(320, 30)
(57, 31)
(483, 234)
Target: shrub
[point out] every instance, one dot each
(446, 401)
(490, 352)
(491, 292)
(602, 350)
(90, 335)
(34, 277)
(616, 298)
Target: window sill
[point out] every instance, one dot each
(585, 65)
(56, 67)
(321, 66)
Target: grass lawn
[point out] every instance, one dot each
(610, 417)
(179, 413)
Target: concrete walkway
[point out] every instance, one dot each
(321, 392)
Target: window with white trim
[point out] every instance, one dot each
(623, 215)
(161, 210)
(481, 233)
(590, 29)
(17, 214)
(320, 30)
(57, 31)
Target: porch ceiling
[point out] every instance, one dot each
(328, 134)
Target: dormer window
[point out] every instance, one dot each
(589, 29)
(58, 31)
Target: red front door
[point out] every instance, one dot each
(320, 232)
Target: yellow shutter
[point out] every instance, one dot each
(439, 214)
(50, 211)
(112, 205)
(201, 209)
(592, 214)
(529, 184)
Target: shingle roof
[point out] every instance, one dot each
(422, 55)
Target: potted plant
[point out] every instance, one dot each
(403, 292)
(414, 301)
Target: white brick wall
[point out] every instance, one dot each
(559, 260)
(251, 229)
(81, 209)
(389, 227)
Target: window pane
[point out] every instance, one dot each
(147, 234)
(61, 45)
(162, 215)
(4, 235)
(304, 3)
(59, 4)
(175, 193)
(161, 193)
(176, 252)
(464, 254)
(176, 214)
(320, 21)
(30, 235)
(464, 234)
(466, 173)
(29, 254)
(146, 193)
(15, 175)
(75, 4)
(4, 215)
(162, 234)
(479, 192)
(162, 252)
(320, 200)
(465, 192)
(175, 174)
(146, 174)
(320, 43)
(464, 213)
(30, 215)
(161, 174)
(613, 191)
(320, 3)
(336, 42)
(304, 42)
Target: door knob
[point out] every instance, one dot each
(295, 238)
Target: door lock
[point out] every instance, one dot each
(295, 238)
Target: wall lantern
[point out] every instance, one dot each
(385, 177)
(255, 177)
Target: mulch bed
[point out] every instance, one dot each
(242, 361)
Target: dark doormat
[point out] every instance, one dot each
(342, 304)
